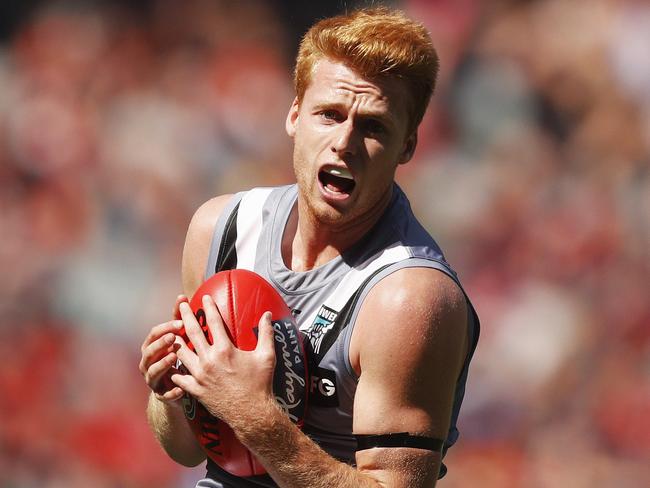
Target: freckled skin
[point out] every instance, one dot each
(343, 121)
(347, 120)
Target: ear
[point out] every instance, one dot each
(409, 148)
(292, 118)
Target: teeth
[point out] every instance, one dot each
(340, 172)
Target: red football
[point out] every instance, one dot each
(242, 297)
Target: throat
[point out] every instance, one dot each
(302, 262)
(308, 242)
(304, 248)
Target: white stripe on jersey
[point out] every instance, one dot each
(352, 281)
(249, 226)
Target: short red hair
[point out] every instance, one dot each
(375, 42)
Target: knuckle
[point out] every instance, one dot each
(201, 376)
(266, 349)
(148, 339)
(224, 352)
(268, 357)
(220, 347)
(146, 353)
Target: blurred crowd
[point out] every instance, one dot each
(117, 119)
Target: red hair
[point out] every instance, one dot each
(374, 42)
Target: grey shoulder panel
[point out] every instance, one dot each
(472, 324)
(376, 278)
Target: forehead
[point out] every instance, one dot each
(335, 80)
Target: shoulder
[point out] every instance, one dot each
(419, 286)
(420, 311)
(205, 217)
(198, 240)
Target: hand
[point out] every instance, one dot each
(228, 382)
(159, 357)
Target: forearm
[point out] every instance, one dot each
(173, 432)
(292, 459)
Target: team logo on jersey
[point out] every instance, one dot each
(322, 388)
(323, 323)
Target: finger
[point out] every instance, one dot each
(265, 341)
(176, 313)
(154, 351)
(161, 329)
(215, 322)
(175, 393)
(186, 382)
(157, 370)
(189, 358)
(193, 329)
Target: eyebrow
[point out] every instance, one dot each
(385, 118)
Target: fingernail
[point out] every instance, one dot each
(178, 324)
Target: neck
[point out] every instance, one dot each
(309, 243)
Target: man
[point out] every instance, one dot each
(389, 329)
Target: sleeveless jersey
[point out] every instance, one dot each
(325, 302)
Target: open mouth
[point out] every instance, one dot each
(338, 181)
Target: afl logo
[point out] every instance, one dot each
(189, 406)
(189, 402)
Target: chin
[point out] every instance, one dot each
(326, 214)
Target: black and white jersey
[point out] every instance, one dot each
(325, 302)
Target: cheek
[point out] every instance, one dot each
(382, 170)
(382, 157)
(310, 143)
(300, 164)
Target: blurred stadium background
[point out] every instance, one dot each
(117, 119)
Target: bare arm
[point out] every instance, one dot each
(408, 346)
(168, 423)
(164, 410)
(198, 240)
(409, 349)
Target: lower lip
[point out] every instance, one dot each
(332, 196)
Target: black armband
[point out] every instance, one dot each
(400, 439)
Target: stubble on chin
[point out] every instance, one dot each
(317, 212)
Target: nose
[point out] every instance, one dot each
(345, 140)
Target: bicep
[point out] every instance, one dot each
(198, 240)
(409, 344)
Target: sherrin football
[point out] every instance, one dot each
(242, 297)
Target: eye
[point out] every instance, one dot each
(331, 115)
(373, 127)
